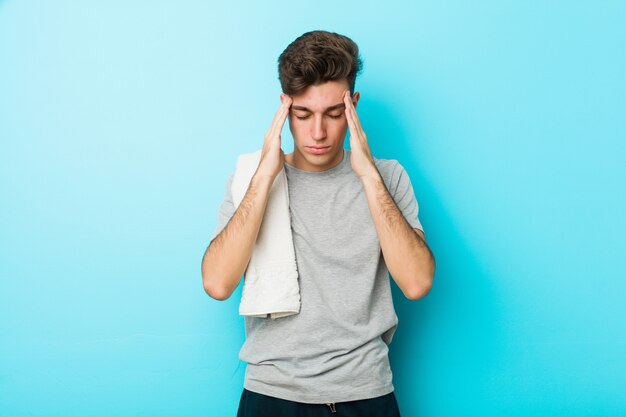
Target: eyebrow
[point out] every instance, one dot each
(333, 107)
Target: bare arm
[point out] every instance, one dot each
(228, 255)
(408, 257)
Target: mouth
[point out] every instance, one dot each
(318, 150)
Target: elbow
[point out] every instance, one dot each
(420, 289)
(423, 285)
(418, 280)
(216, 292)
(418, 292)
(217, 286)
(212, 286)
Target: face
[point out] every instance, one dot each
(317, 120)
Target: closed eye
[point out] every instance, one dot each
(333, 117)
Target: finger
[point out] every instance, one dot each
(349, 115)
(283, 115)
(279, 118)
(355, 117)
(346, 99)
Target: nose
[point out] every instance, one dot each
(319, 130)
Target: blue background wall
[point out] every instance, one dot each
(120, 122)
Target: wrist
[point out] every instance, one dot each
(371, 177)
(262, 180)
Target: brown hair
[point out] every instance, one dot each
(316, 57)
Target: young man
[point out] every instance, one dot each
(354, 221)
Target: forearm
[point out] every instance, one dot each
(228, 255)
(408, 258)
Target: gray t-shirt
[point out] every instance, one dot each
(336, 348)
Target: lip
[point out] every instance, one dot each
(318, 150)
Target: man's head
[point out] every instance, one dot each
(315, 70)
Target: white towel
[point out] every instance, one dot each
(271, 279)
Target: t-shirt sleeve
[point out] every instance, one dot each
(402, 192)
(226, 209)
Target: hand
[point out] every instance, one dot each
(360, 155)
(272, 155)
